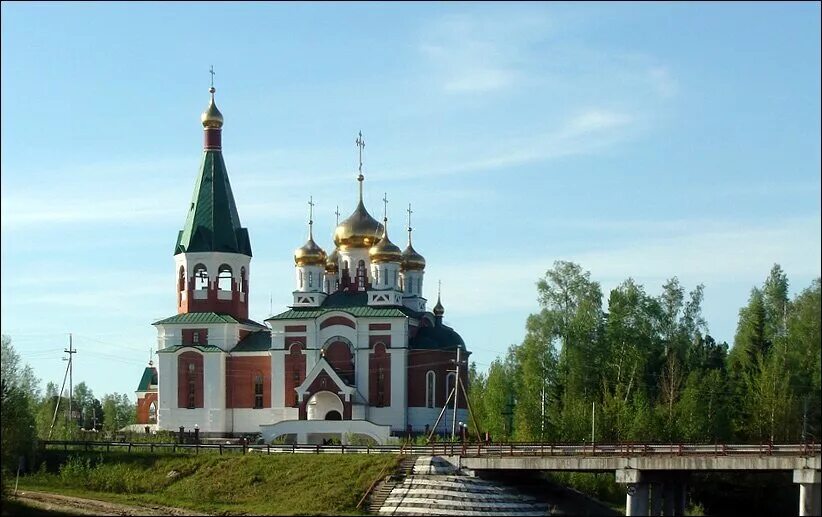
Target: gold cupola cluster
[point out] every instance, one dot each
(211, 117)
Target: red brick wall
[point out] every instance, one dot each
(183, 360)
(377, 360)
(294, 373)
(240, 373)
(339, 357)
(373, 340)
(188, 336)
(142, 408)
(419, 363)
(379, 326)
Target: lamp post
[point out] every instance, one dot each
(196, 433)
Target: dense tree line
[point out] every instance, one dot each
(27, 415)
(645, 368)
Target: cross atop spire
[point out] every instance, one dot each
(211, 71)
(337, 213)
(360, 144)
(311, 217)
(409, 222)
(385, 206)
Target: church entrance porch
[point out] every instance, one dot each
(324, 405)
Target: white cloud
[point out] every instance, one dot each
(478, 54)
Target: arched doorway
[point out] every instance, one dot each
(333, 415)
(321, 404)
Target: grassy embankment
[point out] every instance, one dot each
(279, 484)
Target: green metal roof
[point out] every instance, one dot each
(201, 348)
(359, 312)
(259, 341)
(355, 304)
(149, 378)
(204, 318)
(213, 223)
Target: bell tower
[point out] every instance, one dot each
(213, 252)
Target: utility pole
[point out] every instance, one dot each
(71, 353)
(456, 396)
(593, 420)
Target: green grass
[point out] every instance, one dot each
(279, 484)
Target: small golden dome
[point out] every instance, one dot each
(360, 230)
(411, 260)
(385, 251)
(332, 263)
(211, 117)
(309, 254)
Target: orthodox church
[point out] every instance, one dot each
(356, 353)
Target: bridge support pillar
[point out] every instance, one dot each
(810, 491)
(636, 502)
(656, 498)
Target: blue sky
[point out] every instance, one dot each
(643, 140)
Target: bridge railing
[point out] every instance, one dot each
(454, 449)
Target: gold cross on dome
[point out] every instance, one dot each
(337, 213)
(361, 144)
(211, 71)
(385, 206)
(409, 216)
(310, 209)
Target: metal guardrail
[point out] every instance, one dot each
(461, 449)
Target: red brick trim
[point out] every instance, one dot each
(295, 328)
(337, 320)
(379, 326)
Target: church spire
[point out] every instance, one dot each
(212, 223)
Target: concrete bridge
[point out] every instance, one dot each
(655, 475)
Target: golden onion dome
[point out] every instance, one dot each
(309, 254)
(211, 117)
(360, 230)
(385, 251)
(332, 263)
(411, 260)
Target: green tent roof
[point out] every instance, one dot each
(204, 318)
(213, 223)
(436, 337)
(149, 378)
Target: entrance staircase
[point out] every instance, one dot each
(384, 488)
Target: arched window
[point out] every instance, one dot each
(192, 387)
(419, 286)
(258, 391)
(152, 413)
(200, 277)
(380, 387)
(449, 384)
(361, 275)
(301, 279)
(242, 280)
(310, 279)
(224, 274)
(345, 265)
(377, 276)
(395, 276)
(430, 386)
(181, 285)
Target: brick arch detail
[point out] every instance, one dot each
(337, 320)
